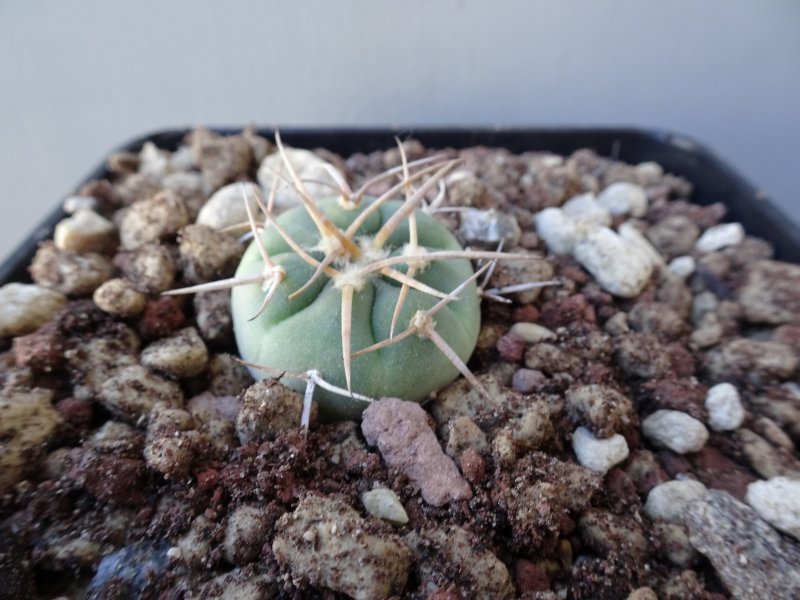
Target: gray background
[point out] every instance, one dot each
(78, 78)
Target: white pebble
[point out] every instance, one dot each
(557, 230)
(585, 207)
(24, 307)
(532, 332)
(777, 501)
(629, 233)
(682, 266)
(623, 198)
(720, 236)
(226, 206)
(618, 266)
(598, 454)
(311, 169)
(675, 430)
(75, 203)
(384, 504)
(84, 231)
(725, 410)
(489, 227)
(649, 173)
(668, 501)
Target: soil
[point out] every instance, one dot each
(163, 471)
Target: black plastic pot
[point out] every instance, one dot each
(713, 179)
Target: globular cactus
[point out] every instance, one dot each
(306, 331)
(356, 297)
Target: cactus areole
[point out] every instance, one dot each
(298, 332)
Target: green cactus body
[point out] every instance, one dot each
(305, 332)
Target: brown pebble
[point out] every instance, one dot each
(472, 466)
(530, 577)
(527, 313)
(75, 411)
(41, 350)
(161, 317)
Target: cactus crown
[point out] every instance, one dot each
(355, 297)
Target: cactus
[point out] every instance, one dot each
(356, 297)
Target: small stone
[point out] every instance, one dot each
(632, 235)
(598, 454)
(745, 359)
(463, 433)
(453, 550)
(344, 555)
(267, 408)
(668, 501)
(25, 307)
(489, 227)
(585, 207)
(84, 231)
(528, 380)
(682, 266)
(649, 172)
(226, 206)
(227, 376)
(618, 266)
(777, 501)
(27, 422)
(68, 272)
(623, 198)
(207, 254)
(181, 355)
(557, 230)
(150, 268)
(383, 503)
(532, 332)
(221, 158)
(152, 220)
(132, 391)
(401, 432)
(674, 235)
(246, 533)
(771, 293)
(675, 430)
(725, 410)
(315, 172)
(602, 409)
(720, 236)
(751, 559)
(119, 297)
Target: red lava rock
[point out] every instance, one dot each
(117, 480)
(444, 594)
(560, 313)
(207, 479)
(682, 361)
(75, 411)
(719, 472)
(674, 464)
(41, 350)
(511, 347)
(472, 465)
(530, 577)
(685, 395)
(401, 432)
(161, 317)
(527, 313)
